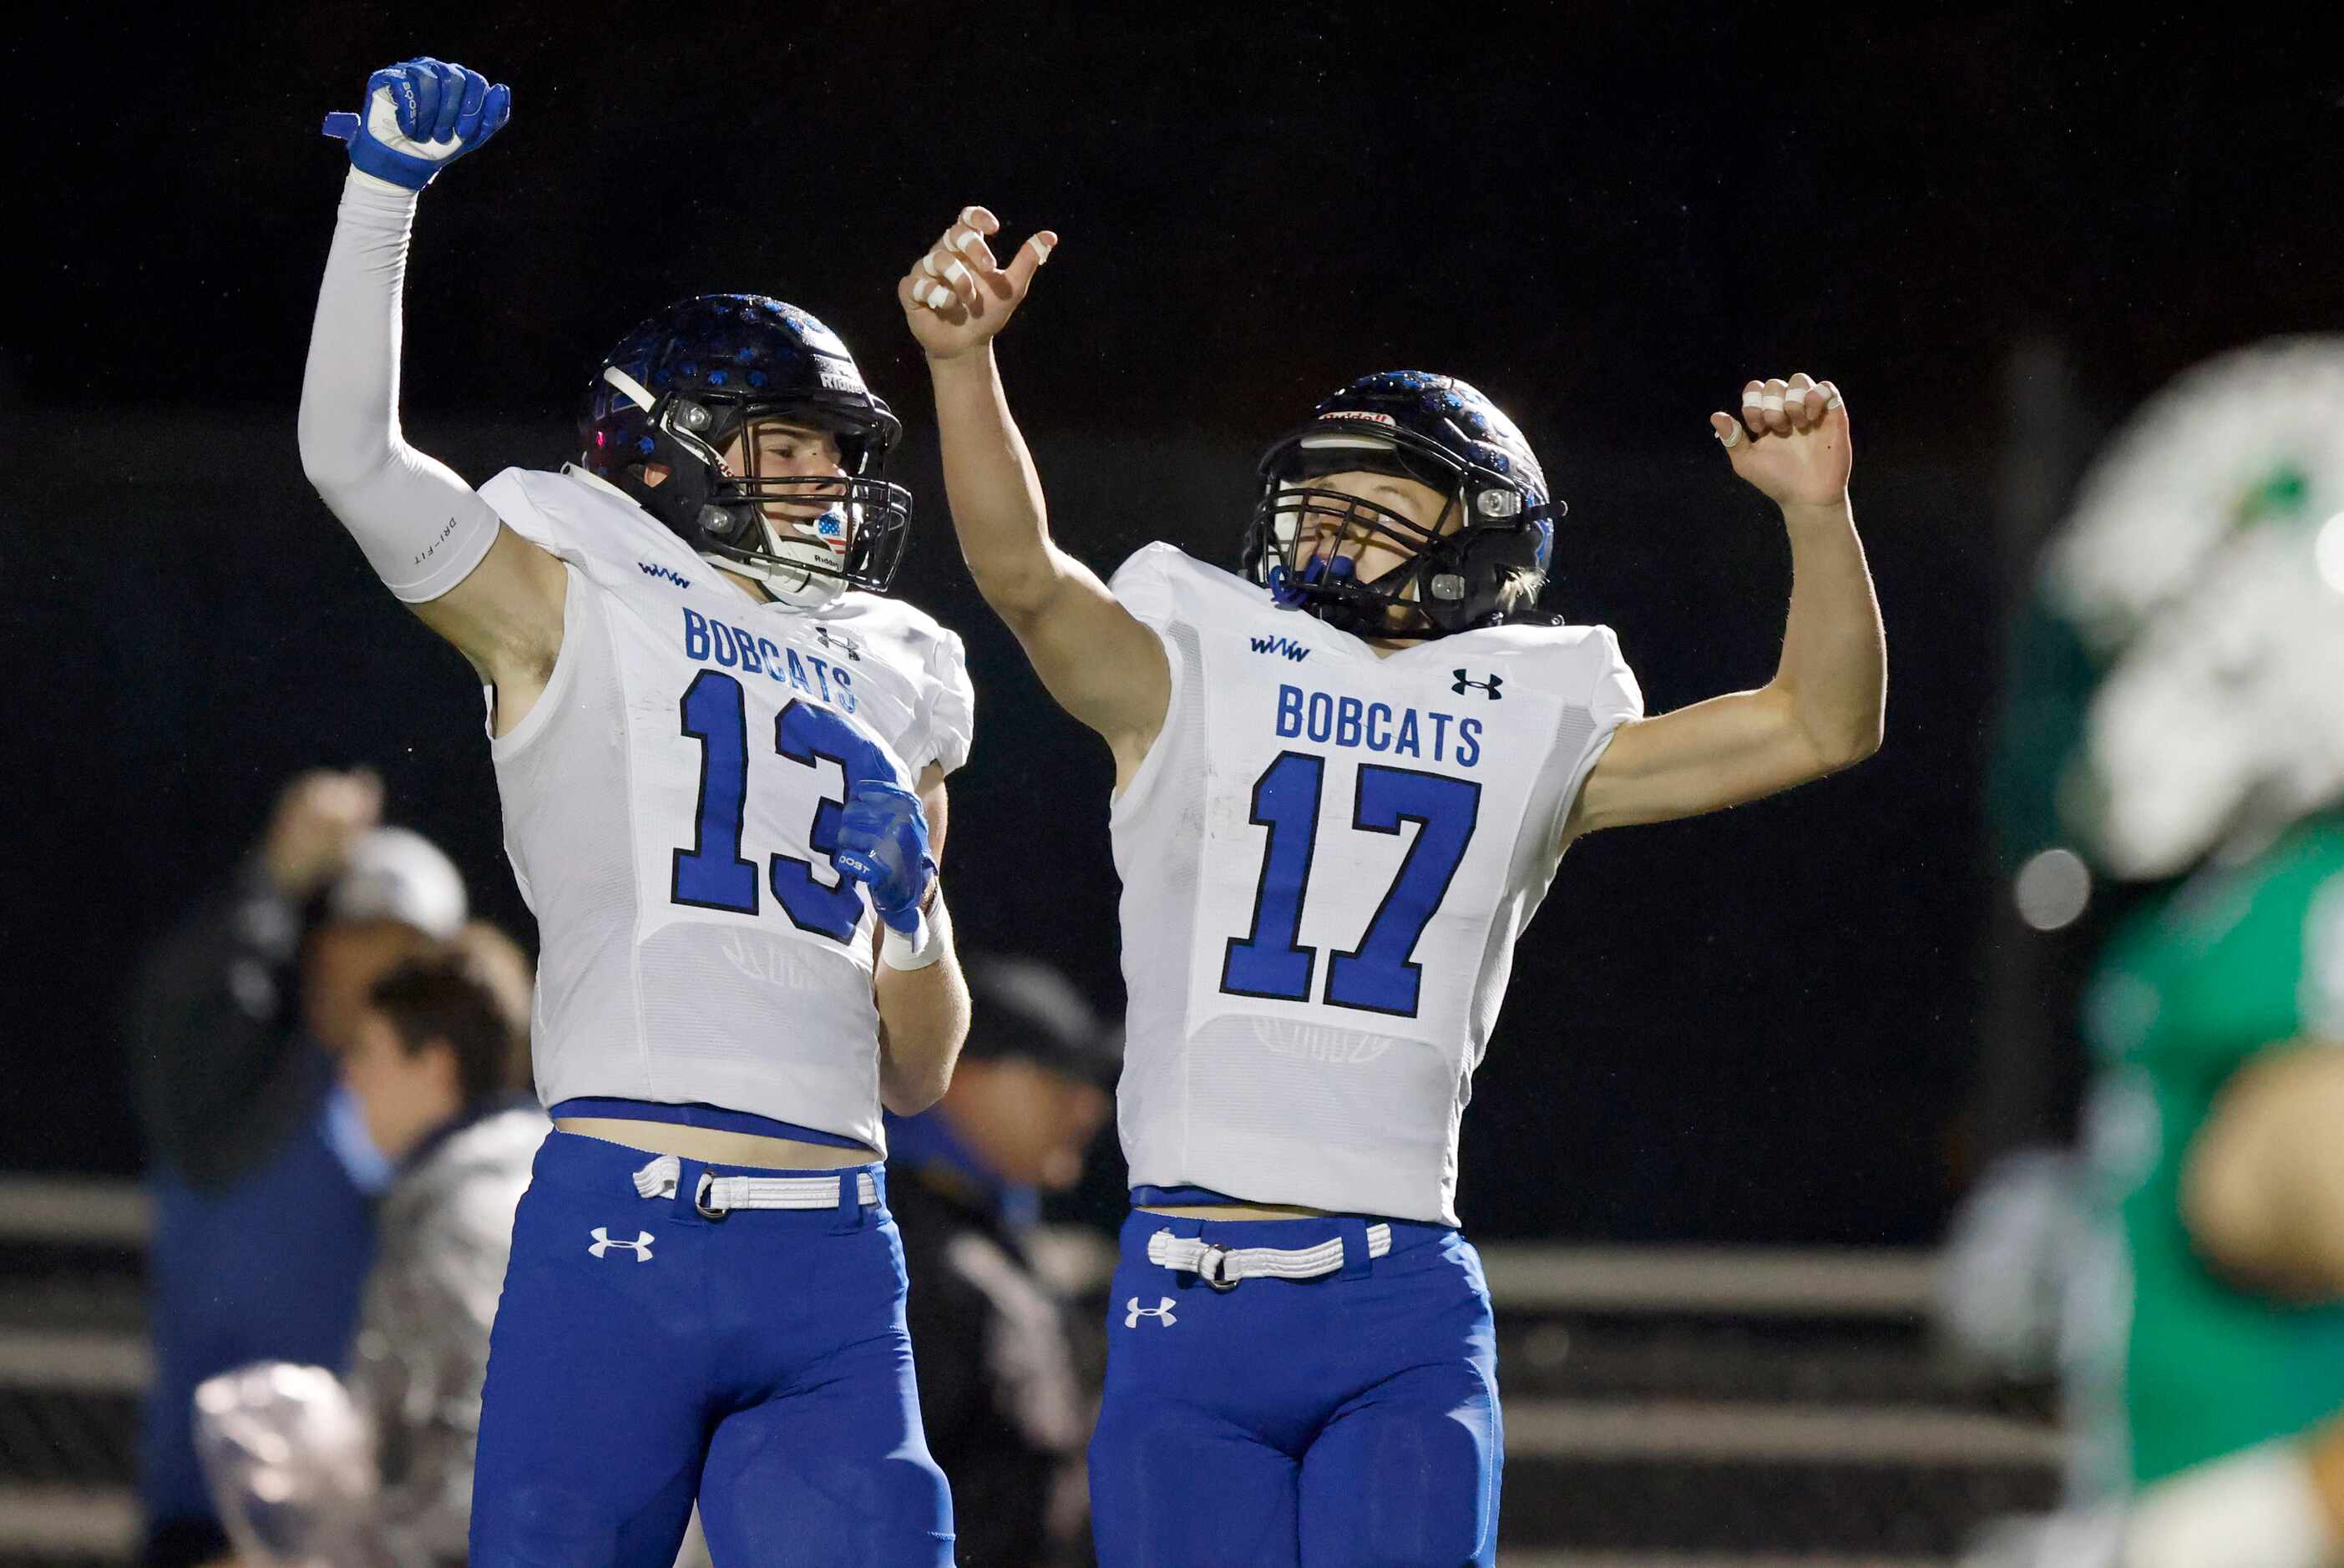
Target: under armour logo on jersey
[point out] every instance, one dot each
(829, 639)
(1489, 687)
(1162, 1311)
(1286, 645)
(640, 1245)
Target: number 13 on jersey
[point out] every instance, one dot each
(712, 873)
(1380, 975)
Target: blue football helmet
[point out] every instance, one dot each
(681, 384)
(1483, 563)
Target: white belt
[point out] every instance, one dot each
(1222, 1266)
(722, 1194)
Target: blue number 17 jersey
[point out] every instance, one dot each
(1327, 856)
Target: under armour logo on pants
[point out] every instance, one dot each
(642, 1244)
(1161, 1312)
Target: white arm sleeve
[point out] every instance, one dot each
(423, 530)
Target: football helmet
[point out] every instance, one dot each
(2204, 569)
(685, 382)
(1483, 562)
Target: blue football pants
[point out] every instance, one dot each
(1344, 1422)
(644, 1355)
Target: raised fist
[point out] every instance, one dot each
(1791, 441)
(421, 116)
(318, 817)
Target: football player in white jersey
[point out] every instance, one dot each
(1344, 777)
(721, 756)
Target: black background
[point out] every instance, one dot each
(1753, 1027)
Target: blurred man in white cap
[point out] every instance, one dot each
(261, 1167)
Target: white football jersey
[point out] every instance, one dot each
(1326, 858)
(669, 806)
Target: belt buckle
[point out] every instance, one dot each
(1210, 1263)
(700, 1198)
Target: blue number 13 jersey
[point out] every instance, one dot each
(671, 803)
(1327, 858)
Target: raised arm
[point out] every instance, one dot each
(1101, 665)
(214, 1019)
(1822, 710)
(433, 542)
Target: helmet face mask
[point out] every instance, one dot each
(682, 385)
(1479, 561)
(798, 533)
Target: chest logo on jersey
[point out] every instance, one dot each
(1287, 646)
(1487, 688)
(710, 641)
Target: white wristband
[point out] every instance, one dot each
(2256, 1509)
(923, 947)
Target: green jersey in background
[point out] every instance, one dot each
(2175, 1365)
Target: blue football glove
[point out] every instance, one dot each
(420, 117)
(883, 843)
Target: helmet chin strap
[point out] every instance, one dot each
(790, 584)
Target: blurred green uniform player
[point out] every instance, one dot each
(2232, 964)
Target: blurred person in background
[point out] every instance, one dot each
(382, 1472)
(261, 1167)
(1006, 1408)
(2201, 1333)
(497, 962)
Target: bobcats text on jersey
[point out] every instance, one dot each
(710, 641)
(1342, 720)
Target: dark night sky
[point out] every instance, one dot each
(1607, 218)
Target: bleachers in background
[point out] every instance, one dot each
(73, 1362)
(1665, 1407)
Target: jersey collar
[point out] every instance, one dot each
(589, 476)
(593, 480)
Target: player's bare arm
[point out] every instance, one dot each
(1822, 710)
(922, 1012)
(494, 595)
(2263, 1189)
(1101, 665)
